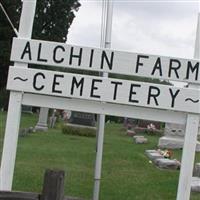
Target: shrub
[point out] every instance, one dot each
(80, 131)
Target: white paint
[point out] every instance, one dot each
(191, 132)
(10, 141)
(104, 108)
(102, 89)
(107, 12)
(123, 62)
(14, 110)
(188, 156)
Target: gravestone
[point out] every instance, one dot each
(196, 171)
(42, 124)
(153, 155)
(139, 139)
(52, 119)
(174, 137)
(82, 119)
(27, 109)
(195, 185)
(130, 122)
(165, 163)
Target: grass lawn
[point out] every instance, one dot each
(127, 173)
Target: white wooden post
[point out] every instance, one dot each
(14, 110)
(188, 155)
(107, 11)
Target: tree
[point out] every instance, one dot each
(53, 19)
(6, 34)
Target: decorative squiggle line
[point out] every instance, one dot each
(194, 101)
(21, 79)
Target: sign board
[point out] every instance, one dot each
(111, 61)
(115, 96)
(104, 89)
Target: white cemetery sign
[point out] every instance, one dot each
(103, 89)
(111, 61)
(95, 94)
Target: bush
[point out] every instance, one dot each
(71, 130)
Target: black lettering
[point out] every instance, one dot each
(27, 50)
(35, 81)
(93, 88)
(116, 83)
(173, 96)
(192, 69)
(109, 62)
(131, 93)
(174, 68)
(39, 54)
(138, 63)
(153, 95)
(79, 56)
(56, 83)
(91, 57)
(55, 52)
(157, 66)
(77, 84)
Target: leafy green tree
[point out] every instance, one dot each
(54, 18)
(52, 21)
(6, 34)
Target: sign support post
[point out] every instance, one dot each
(192, 125)
(107, 11)
(188, 157)
(14, 111)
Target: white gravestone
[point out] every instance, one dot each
(174, 137)
(43, 120)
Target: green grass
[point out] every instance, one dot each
(126, 173)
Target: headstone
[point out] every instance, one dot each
(66, 114)
(84, 119)
(52, 119)
(43, 118)
(153, 155)
(196, 171)
(195, 185)
(130, 123)
(130, 132)
(141, 140)
(27, 109)
(166, 163)
(174, 137)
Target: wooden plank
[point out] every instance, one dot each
(104, 108)
(103, 89)
(53, 187)
(10, 141)
(5, 195)
(111, 61)
(14, 110)
(188, 157)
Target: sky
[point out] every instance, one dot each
(153, 27)
(159, 27)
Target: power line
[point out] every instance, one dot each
(7, 17)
